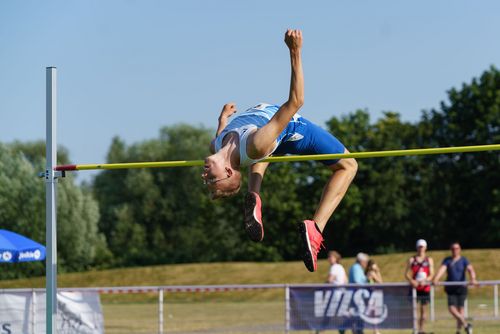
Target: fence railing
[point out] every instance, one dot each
(163, 291)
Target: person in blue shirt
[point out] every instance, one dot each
(357, 270)
(456, 267)
(357, 276)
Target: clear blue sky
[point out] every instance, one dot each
(127, 68)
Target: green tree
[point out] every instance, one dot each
(22, 210)
(463, 188)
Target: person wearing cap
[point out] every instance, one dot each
(419, 272)
(456, 267)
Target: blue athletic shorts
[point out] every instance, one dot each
(302, 136)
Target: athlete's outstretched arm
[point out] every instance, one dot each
(263, 140)
(228, 110)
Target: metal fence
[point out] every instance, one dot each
(260, 308)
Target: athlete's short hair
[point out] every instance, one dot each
(218, 193)
(231, 187)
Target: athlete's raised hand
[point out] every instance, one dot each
(293, 39)
(228, 110)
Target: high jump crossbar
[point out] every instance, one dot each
(290, 158)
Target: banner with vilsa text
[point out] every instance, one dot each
(350, 308)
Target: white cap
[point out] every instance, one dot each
(362, 257)
(421, 243)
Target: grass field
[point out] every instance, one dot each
(237, 317)
(392, 267)
(255, 311)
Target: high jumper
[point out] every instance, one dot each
(267, 129)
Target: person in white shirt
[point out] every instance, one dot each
(336, 275)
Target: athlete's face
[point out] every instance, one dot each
(220, 179)
(215, 173)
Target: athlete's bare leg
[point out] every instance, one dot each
(335, 189)
(256, 175)
(333, 192)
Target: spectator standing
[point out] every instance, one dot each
(419, 272)
(357, 275)
(357, 270)
(336, 274)
(372, 272)
(456, 266)
(373, 275)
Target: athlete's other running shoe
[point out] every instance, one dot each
(312, 241)
(253, 216)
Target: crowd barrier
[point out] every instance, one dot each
(296, 307)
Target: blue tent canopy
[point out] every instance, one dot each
(16, 248)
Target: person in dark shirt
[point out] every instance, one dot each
(456, 266)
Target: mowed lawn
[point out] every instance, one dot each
(255, 311)
(392, 267)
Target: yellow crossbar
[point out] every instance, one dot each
(292, 158)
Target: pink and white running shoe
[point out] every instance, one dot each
(253, 216)
(312, 241)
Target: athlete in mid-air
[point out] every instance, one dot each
(272, 129)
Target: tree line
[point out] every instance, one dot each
(156, 216)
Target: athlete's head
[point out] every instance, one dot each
(221, 179)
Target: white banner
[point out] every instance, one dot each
(24, 313)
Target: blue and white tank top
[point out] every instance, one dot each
(244, 124)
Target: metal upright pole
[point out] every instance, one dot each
(287, 309)
(50, 202)
(433, 304)
(495, 300)
(414, 307)
(34, 305)
(160, 311)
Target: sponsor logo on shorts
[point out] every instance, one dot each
(296, 137)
